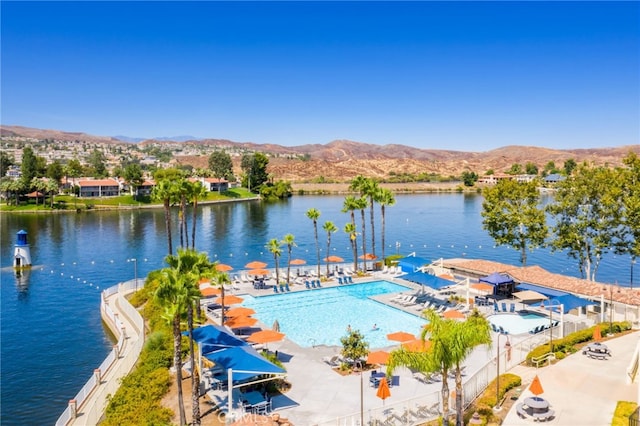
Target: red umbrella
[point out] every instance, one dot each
(368, 256)
(221, 267)
(401, 336)
(298, 262)
(255, 265)
(260, 271)
(265, 336)
(239, 322)
(229, 300)
(210, 291)
(333, 259)
(417, 345)
(453, 314)
(378, 357)
(239, 312)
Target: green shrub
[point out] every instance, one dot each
(624, 409)
(489, 399)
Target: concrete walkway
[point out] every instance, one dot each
(581, 390)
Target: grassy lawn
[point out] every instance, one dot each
(68, 202)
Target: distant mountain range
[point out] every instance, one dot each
(341, 160)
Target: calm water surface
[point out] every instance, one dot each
(52, 337)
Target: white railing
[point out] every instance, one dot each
(114, 363)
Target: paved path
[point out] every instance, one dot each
(583, 391)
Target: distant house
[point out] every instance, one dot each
(494, 179)
(214, 184)
(99, 188)
(14, 172)
(525, 178)
(553, 178)
(146, 188)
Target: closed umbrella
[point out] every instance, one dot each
(383, 390)
(597, 333)
(401, 336)
(255, 265)
(536, 387)
(275, 326)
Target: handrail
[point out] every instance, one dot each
(632, 369)
(548, 356)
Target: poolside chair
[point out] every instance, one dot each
(318, 283)
(306, 284)
(410, 301)
(504, 307)
(340, 281)
(350, 279)
(275, 289)
(495, 307)
(332, 360)
(286, 287)
(512, 308)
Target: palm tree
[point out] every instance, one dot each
(274, 246)
(350, 229)
(184, 190)
(314, 214)
(165, 191)
(330, 228)
(219, 279)
(351, 205)
(198, 191)
(384, 197)
(52, 188)
(368, 187)
(289, 241)
(192, 266)
(172, 296)
(362, 204)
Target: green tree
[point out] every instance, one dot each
(385, 198)
(28, 167)
(254, 167)
(314, 214)
(362, 205)
(289, 241)
(73, 169)
(133, 176)
(198, 192)
(587, 214)
(469, 178)
(550, 168)
(275, 247)
(569, 166)
(330, 228)
(350, 230)
(530, 168)
(512, 216)
(221, 165)
(629, 239)
(97, 163)
(52, 187)
(165, 191)
(516, 169)
(354, 347)
(6, 161)
(55, 172)
(368, 189)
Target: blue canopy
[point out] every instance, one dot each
(213, 337)
(429, 280)
(496, 279)
(412, 263)
(246, 360)
(557, 298)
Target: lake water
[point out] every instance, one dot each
(51, 333)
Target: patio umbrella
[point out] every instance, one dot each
(239, 322)
(378, 357)
(529, 296)
(401, 336)
(259, 271)
(255, 265)
(417, 345)
(265, 336)
(229, 300)
(453, 314)
(239, 312)
(597, 333)
(383, 390)
(535, 387)
(333, 258)
(368, 256)
(221, 267)
(298, 262)
(210, 291)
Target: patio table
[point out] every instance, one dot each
(597, 347)
(537, 404)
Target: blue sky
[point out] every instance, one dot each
(469, 76)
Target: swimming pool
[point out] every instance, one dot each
(518, 323)
(321, 316)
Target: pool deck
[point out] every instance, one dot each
(581, 390)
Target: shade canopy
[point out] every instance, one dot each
(210, 291)
(240, 311)
(488, 288)
(215, 337)
(557, 297)
(368, 256)
(378, 357)
(246, 360)
(259, 271)
(529, 296)
(412, 263)
(333, 259)
(221, 267)
(429, 280)
(496, 279)
(229, 300)
(417, 345)
(453, 314)
(255, 265)
(242, 321)
(298, 262)
(401, 336)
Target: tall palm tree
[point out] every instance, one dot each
(165, 191)
(219, 279)
(172, 296)
(350, 229)
(367, 187)
(362, 204)
(198, 192)
(330, 228)
(314, 214)
(275, 247)
(184, 191)
(350, 205)
(192, 266)
(289, 241)
(384, 197)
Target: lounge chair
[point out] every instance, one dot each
(307, 285)
(275, 289)
(410, 301)
(350, 279)
(401, 299)
(318, 283)
(421, 377)
(286, 287)
(332, 360)
(504, 307)
(340, 281)
(495, 307)
(512, 308)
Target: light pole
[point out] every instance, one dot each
(552, 303)
(359, 364)
(610, 289)
(498, 407)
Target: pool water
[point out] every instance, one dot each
(322, 316)
(518, 323)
